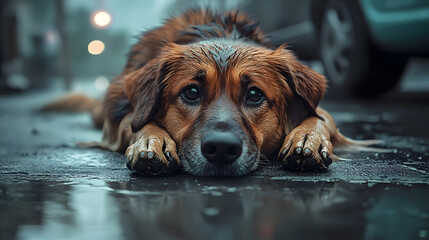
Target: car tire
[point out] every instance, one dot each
(352, 63)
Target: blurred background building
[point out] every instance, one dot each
(363, 46)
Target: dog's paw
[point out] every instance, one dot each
(306, 150)
(153, 154)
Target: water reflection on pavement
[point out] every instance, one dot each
(52, 189)
(189, 208)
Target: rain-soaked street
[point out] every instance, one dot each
(52, 189)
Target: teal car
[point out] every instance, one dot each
(364, 45)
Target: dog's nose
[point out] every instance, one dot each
(221, 147)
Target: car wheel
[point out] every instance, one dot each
(352, 64)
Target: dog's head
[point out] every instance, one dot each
(225, 103)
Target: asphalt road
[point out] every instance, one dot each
(52, 189)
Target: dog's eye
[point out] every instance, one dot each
(254, 96)
(191, 94)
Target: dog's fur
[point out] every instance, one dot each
(224, 57)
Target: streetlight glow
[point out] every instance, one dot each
(101, 19)
(96, 47)
(101, 83)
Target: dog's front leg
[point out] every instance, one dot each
(308, 147)
(152, 151)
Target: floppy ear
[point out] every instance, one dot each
(143, 88)
(307, 86)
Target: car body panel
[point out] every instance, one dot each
(398, 25)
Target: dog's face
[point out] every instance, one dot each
(226, 104)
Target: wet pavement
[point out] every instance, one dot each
(52, 189)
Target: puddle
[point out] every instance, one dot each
(46, 189)
(183, 208)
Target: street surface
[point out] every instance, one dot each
(52, 189)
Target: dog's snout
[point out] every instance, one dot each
(221, 147)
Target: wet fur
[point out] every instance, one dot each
(225, 54)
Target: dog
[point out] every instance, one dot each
(206, 93)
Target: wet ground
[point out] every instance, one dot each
(52, 189)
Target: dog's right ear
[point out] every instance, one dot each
(143, 88)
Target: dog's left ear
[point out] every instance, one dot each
(307, 86)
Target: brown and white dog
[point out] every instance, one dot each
(207, 93)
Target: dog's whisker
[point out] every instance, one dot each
(263, 160)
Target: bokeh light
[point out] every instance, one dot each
(101, 19)
(101, 83)
(96, 47)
